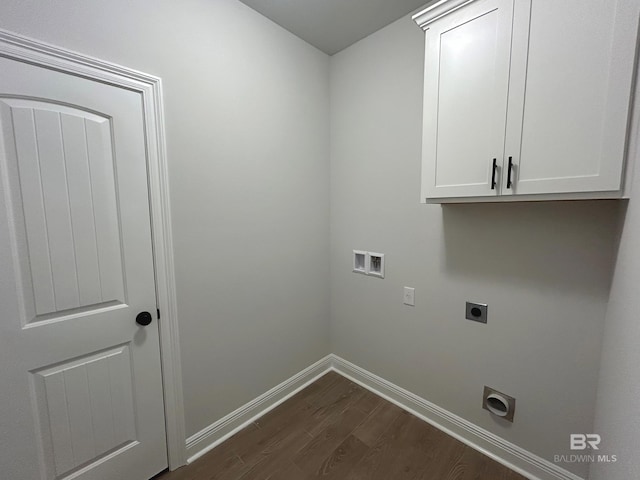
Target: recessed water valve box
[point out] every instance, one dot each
(476, 312)
(368, 263)
(376, 264)
(360, 262)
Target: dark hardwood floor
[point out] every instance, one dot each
(337, 430)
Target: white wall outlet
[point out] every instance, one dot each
(410, 296)
(360, 260)
(376, 264)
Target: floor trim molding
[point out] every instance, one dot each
(500, 450)
(491, 445)
(216, 433)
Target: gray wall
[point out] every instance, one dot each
(247, 109)
(247, 132)
(544, 269)
(618, 405)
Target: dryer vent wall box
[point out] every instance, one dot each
(512, 111)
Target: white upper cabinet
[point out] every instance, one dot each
(527, 99)
(466, 86)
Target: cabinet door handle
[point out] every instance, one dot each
(493, 174)
(509, 183)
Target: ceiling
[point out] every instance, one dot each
(332, 25)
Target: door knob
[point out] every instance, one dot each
(143, 318)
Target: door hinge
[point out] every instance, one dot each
(158, 310)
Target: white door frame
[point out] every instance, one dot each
(150, 87)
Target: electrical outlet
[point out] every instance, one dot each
(476, 312)
(409, 296)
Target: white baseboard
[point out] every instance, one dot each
(500, 450)
(216, 433)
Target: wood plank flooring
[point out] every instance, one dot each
(337, 430)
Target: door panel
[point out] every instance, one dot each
(75, 250)
(568, 113)
(466, 84)
(65, 170)
(86, 406)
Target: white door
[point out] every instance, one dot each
(571, 78)
(465, 104)
(80, 380)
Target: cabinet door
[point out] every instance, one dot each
(466, 88)
(571, 79)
